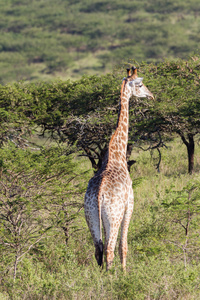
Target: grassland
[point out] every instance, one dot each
(41, 40)
(158, 267)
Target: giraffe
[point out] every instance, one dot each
(109, 197)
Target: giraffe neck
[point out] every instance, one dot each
(118, 142)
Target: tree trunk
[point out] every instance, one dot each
(66, 232)
(128, 155)
(15, 267)
(96, 162)
(190, 150)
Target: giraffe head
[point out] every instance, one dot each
(135, 86)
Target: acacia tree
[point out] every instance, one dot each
(176, 109)
(14, 125)
(81, 113)
(84, 112)
(35, 198)
(181, 210)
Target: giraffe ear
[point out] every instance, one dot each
(134, 71)
(128, 72)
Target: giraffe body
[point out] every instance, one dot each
(109, 197)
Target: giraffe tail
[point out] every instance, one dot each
(100, 253)
(100, 243)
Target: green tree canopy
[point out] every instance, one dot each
(84, 112)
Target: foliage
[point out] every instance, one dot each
(65, 110)
(181, 211)
(36, 195)
(176, 109)
(84, 112)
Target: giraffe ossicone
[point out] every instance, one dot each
(109, 197)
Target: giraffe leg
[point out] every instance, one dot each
(92, 218)
(110, 246)
(123, 246)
